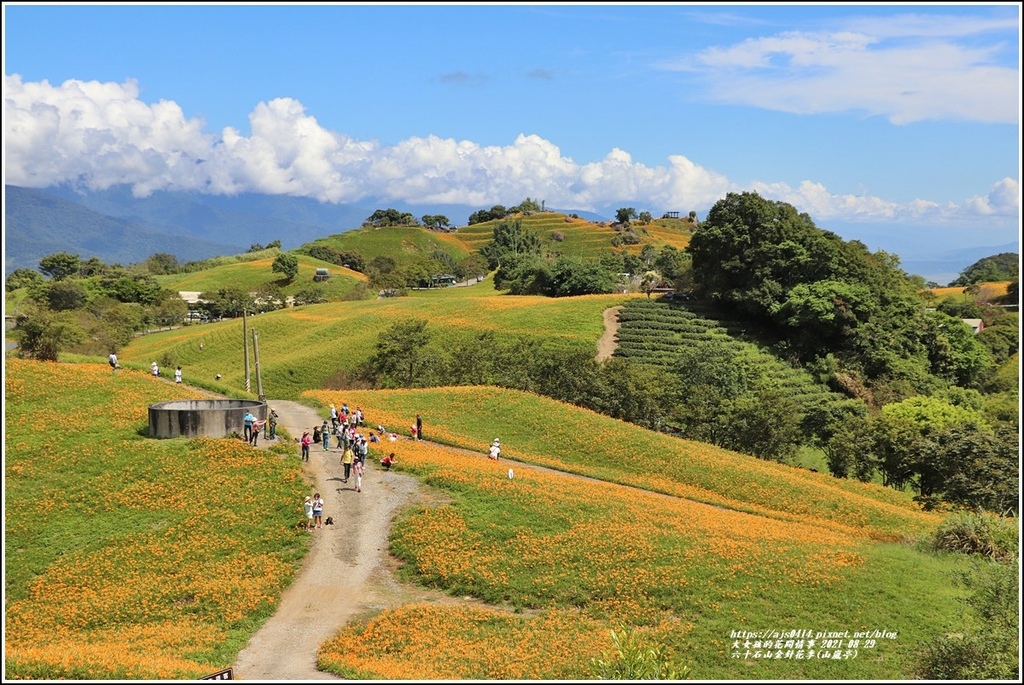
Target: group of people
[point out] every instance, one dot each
(154, 368)
(314, 510)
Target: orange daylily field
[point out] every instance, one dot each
(131, 558)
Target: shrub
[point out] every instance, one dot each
(631, 660)
(977, 533)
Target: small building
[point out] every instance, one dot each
(321, 275)
(443, 280)
(976, 325)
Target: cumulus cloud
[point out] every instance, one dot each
(908, 69)
(96, 135)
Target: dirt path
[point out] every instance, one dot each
(606, 345)
(345, 572)
(348, 570)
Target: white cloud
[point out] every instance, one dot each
(908, 68)
(96, 135)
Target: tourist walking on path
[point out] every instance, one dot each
(325, 435)
(177, 375)
(419, 427)
(305, 442)
(495, 451)
(346, 461)
(318, 511)
(154, 369)
(112, 360)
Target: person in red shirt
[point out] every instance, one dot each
(305, 442)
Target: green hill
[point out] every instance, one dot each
(398, 242)
(139, 573)
(253, 271)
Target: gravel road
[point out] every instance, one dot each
(346, 570)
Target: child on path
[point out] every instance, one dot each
(318, 511)
(357, 468)
(307, 508)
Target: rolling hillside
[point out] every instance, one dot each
(253, 271)
(397, 242)
(622, 527)
(305, 347)
(559, 234)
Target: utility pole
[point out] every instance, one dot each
(245, 345)
(259, 376)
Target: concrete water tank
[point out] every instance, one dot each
(208, 418)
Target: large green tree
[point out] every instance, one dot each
(60, 265)
(287, 265)
(510, 238)
(400, 353)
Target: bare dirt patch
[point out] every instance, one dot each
(606, 345)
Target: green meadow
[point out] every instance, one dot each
(253, 274)
(126, 560)
(395, 242)
(305, 347)
(118, 564)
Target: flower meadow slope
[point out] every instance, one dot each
(562, 560)
(542, 431)
(132, 558)
(127, 557)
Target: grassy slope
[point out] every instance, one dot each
(137, 549)
(126, 557)
(780, 549)
(986, 292)
(253, 274)
(303, 347)
(394, 242)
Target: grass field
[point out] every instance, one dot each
(303, 347)
(124, 560)
(740, 545)
(986, 292)
(394, 242)
(127, 557)
(250, 275)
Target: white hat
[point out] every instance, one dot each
(496, 441)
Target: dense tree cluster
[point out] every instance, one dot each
(88, 306)
(821, 295)
(410, 354)
(1004, 266)
(390, 217)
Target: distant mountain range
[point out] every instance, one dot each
(117, 227)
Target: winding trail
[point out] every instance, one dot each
(348, 569)
(344, 573)
(606, 345)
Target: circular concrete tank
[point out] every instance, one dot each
(209, 418)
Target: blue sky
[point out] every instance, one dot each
(893, 124)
